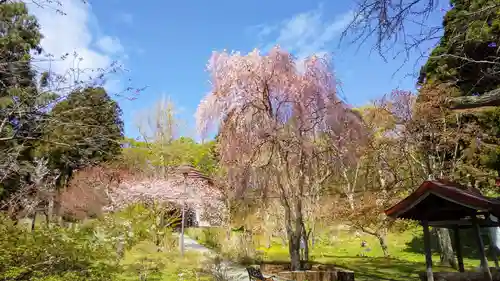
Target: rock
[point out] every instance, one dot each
(315, 275)
(345, 275)
(273, 268)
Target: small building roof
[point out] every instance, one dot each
(191, 172)
(444, 203)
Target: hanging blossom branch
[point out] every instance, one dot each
(200, 194)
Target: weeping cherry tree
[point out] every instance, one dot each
(276, 116)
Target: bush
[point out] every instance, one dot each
(53, 254)
(211, 238)
(91, 251)
(239, 248)
(143, 261)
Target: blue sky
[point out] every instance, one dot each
(165, 45)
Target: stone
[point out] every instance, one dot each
(285, 275)
(273, 268)
(330, 275)
(309, 275)
(345, 275)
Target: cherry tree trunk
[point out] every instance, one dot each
(228, 220)
(294, 234)
(33, 222)
(50, 209)
(382, 240)
(294, 250)
(350, 199)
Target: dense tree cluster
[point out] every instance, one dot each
(45, 134)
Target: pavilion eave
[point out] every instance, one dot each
(443, 201)
(463, 223)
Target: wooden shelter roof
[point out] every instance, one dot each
(443, 203)
(191, 172)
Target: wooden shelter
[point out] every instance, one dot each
(441, 203)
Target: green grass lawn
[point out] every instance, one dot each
(162, 266)
(406, 261)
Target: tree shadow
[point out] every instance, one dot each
(372, 268)
(468, 243)
(379, 268)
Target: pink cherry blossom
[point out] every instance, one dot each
(201, 194)
(283, 129)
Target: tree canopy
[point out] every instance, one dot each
(464, 66)
(84, 129)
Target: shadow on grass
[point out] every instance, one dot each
(470, 248)
(370, 268)
(378, 268)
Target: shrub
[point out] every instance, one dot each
(91, 251)
(211, 238)
(53, 254)
(239, 248)
(143, 261)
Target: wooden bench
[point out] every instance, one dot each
(256, 274)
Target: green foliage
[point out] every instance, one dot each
(212, 238)
(466, 53)
(21, 105)
(201, 156)
(54, 254)
(138, 223)
(90, 251)
(179, 151)
(143, 260)
(20, 36)
(466, 61)
(85, 129)
(19, 97)
(88, 124)
(239, 246)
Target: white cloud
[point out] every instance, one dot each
(304, 34)
(71, 33)
(110, 45)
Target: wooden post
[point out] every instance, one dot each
(458, 249)
(480, 244)
(428, 254)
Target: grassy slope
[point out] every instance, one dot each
(406, 260)
(345, 250)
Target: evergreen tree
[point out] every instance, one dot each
(85, 129)
(20, 102)
(466, 63)
(467, 54)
